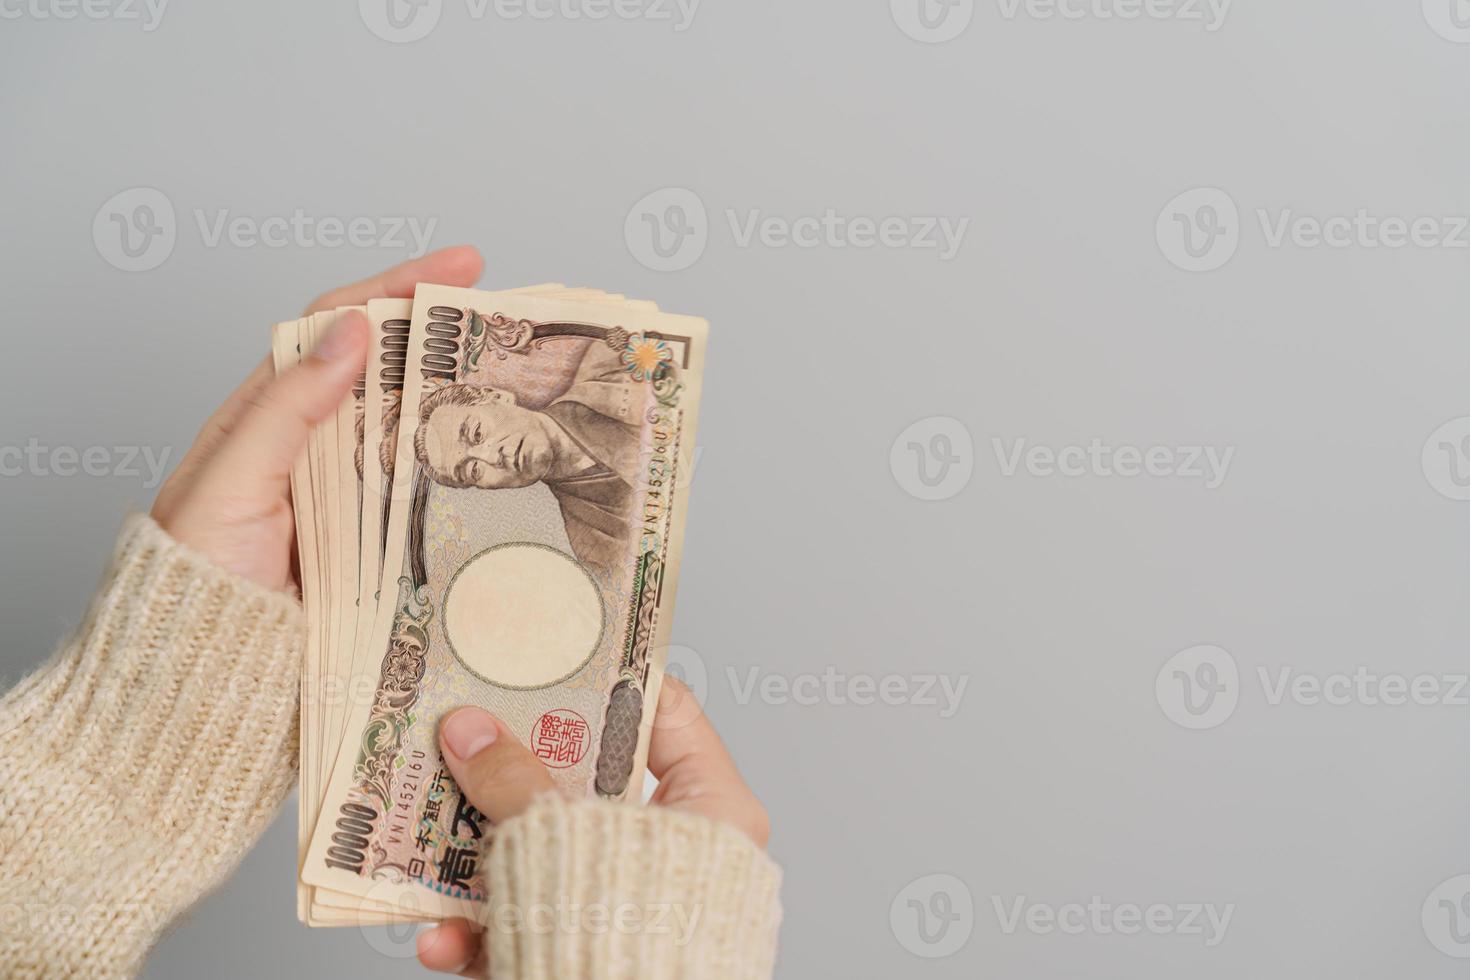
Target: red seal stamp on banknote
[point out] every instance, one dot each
(560, 738)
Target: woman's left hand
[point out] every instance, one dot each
(230, 498)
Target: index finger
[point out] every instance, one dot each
(457, 265)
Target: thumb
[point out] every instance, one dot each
(259, 455)
(497, 773)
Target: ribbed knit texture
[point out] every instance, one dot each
(591, 888)
(138, 767)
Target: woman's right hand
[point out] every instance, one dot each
(501, 777)
(230, 498)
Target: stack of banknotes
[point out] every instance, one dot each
(493, 518)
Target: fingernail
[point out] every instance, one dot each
(468, 732)
(336, 344)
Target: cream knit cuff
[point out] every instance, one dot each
(592, 888)
(140, 764)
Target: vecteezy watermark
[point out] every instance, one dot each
(1102, 918)
(1363, 229)
(934, 458)
(136, 230)
(398, 231)
(932, 21)
(1445, 459)
(933, 916)
(1446, 917)
(1208, 13)
(677, 920)
(98, 462)
(66, 918)
(1200, 687)
(148, 13)
(1208, 464)
(835, 687)
(679, 706)
(1201, 230)
(1362, 686)
(396, 940)
(937, 21)
(1450, 19)
(668, 230)
(944, 693)
(686, 665)
(678, 14)
(405, 21)
(939, 233)
(400, 21)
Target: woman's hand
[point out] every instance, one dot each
(230, 498)
(501, 777)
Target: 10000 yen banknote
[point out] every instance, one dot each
(534, 535)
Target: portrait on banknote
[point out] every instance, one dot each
(584, 445)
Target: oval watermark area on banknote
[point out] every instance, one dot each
(934, 458)
(135, 230)
(400, 21)
(1445, 459)
(1199, 230)
(1446, 917)
(667, 230)
(933, 916)
(1450, 19)
(522, 616)
(932, 21)
(1199, 688)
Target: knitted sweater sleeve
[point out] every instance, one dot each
(139, 765)
(142, 762)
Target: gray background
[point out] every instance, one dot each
(1059, 599)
